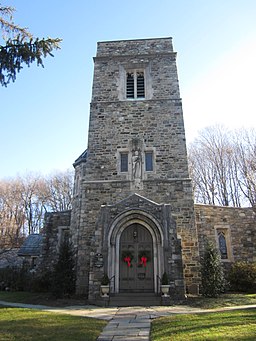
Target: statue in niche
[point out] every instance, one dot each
(136, 164)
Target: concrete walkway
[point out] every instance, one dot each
(126, 324)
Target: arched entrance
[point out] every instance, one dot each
(136, 266)
(148, 237)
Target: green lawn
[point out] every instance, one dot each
(39, 298)
(199, 302)
(233, 325)
(27, 324)
(225, 300)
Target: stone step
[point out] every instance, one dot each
(134, 299)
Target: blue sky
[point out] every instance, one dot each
(44, 114)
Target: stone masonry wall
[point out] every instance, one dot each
(240, 222)
(134, 47)
(157, 122)
(51, 235)
(134, 206)
(95, 194)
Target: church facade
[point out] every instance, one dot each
(133, 216)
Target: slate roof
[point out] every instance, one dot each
(81, 158)
(32, 246)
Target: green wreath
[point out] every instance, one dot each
(144, 257)
(127, 257)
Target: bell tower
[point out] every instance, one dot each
(134, 174)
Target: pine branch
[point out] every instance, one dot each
(18, 52)
(7, 25)
(20, 47)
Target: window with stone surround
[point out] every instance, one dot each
(136, 161)
(63, 234)
(224, 243)
(135, 84)
(123, 162)
(149, 161)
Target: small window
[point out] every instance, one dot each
(135, 84)
(124, 162)
(140, 84)
(223, 245)
(223, 240)
(130, 85)
(63, 235)
(149, 161)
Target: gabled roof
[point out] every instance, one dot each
(81, 158)
(32, 246)
(137, 199)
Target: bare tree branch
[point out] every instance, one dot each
(223, 167)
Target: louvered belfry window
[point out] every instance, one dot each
(140, 84)
(130, 85)
(135, 84)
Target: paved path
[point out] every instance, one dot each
(125, 324)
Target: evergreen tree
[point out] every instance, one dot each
(20, 47)
(213, 280)
(63, 284)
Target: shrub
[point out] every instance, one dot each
(63, 279)
(213, 280)
(105, 280)
(15, 278)
(165, 279)
(42, 282)
(242, 277)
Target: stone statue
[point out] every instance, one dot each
(136, 165)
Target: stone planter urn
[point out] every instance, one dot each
(165, 286)
(104, 290)
(165, 289)
(105, 286)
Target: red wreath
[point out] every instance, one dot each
(127, 260)
(143, 260)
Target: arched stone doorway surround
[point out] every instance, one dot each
(124, 220)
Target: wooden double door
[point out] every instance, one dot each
(136, 260)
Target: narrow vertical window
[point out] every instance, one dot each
(149, 161)
(140, 84)
(135, 84)
(222, 245)
(124, 162)
(130, 85)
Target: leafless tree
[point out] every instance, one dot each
(24, 201)
(59, 188)
(245, 150)
(33, 202)
(222, 167)
(12, 216)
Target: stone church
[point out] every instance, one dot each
(133, 215)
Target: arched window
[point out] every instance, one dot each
(223, 245)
